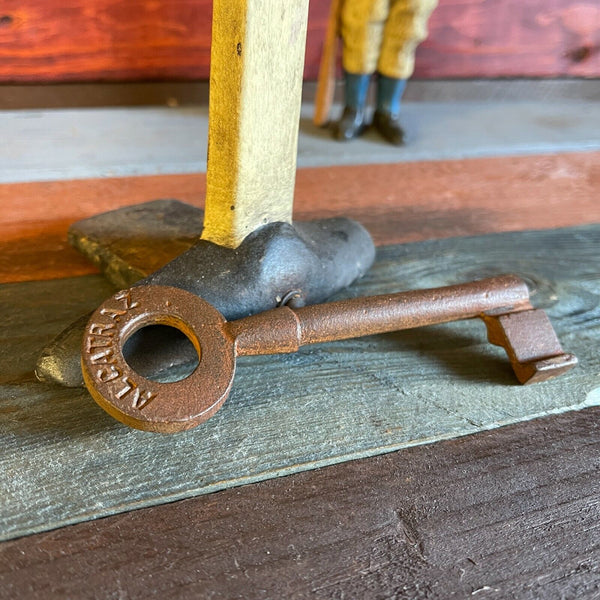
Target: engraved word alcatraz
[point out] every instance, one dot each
(100, 346)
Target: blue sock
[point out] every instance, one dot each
(389, 94)
(356, 90)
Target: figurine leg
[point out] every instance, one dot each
(353, 120)
(405, 28)
(386, 117)
(362, 24)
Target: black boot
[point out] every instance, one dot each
(352, 123)
(386, 118)
(389, 127)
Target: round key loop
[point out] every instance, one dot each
(143, 403)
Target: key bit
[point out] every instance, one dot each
(501, 302)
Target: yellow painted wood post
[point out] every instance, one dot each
(257, 62)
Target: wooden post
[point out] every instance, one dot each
(257, 62)
(326, 83)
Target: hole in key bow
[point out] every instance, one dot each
(153, 350)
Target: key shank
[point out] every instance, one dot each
(529, 339)
(406, 310)
(285, 330)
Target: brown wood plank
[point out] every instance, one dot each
(511, 513)
(35, 218)
(184, 93)
(75, 40)
(512, 38)
(112, 40)
(396, 202)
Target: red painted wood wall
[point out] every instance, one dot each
(117, 40)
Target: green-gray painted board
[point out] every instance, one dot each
(63, 460)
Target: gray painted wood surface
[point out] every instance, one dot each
(62, 460)
(43, 145)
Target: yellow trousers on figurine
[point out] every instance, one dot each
(383, 35)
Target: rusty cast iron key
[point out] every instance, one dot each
(502, 302)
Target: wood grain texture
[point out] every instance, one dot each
(510, 38)
(396, 202)
(325, 92)
(511, 513)
(64, 460)
(111, 40)
(256, 91)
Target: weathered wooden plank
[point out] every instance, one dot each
(75, 144)
(73, 40)
(396, 202)
(511, 513)
(52, 305)
(63, 460)
(185, 93)
(509, 38)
